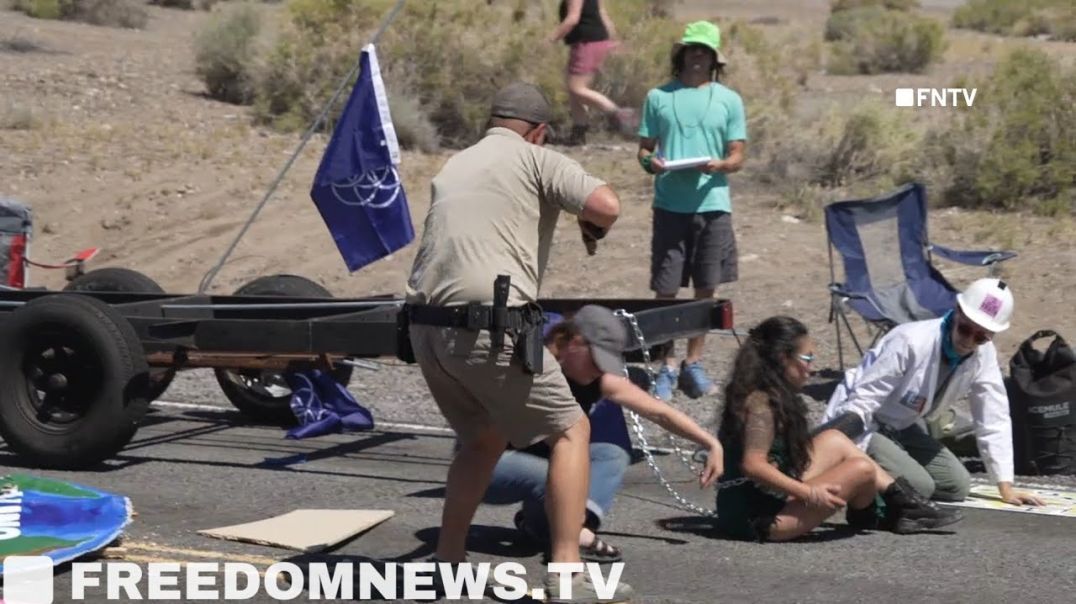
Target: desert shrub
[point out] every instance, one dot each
(841, 5)
(1056, 18)
(1016, 147)
(184, 4)
(842, 25)
(414, 127)
(224, 53)
(443, 54)
(113, 13)
(442, 65)
(871, 40)
(872, 142)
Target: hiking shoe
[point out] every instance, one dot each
(909, 512)
(694, 382)
(583, 591)
(665, 383)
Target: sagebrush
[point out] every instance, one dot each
(873, 39)
(1053, 18)
(225, 53)
(113, 13)
(1015, 149)
(905, 5)
(444, 66)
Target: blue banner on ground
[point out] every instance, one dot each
(58, 519)
(324, 406)
(357, 188)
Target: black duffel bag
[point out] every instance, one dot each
(1042, 403)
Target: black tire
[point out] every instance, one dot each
(74, 380)
(125, 280)
(114, 279)
(247, 388)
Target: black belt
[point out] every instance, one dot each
(475, 316)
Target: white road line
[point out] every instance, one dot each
(377, 424)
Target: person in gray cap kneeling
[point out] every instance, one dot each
(494, 210)
(590, 346)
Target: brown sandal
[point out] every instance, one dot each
(599, 551)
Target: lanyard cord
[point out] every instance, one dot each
(701, 119)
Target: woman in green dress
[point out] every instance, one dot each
(796, 480)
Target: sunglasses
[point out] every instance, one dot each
(969, 330)
(806, 358)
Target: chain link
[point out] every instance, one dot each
(688, 462)
(637, 332)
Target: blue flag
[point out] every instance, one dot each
(357, 188)
(324, 406)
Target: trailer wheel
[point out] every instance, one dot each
(264, 395)
(115, 279)
(74, 380)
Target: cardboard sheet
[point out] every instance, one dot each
(1059, 502)
(303, 530)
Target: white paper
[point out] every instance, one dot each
(683, 164)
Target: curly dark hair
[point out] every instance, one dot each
(760, 367)
(717, 70)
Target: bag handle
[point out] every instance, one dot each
(1027, 347)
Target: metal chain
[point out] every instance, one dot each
(689, 462)
(638, 426)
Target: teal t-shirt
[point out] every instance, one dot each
(692, 122)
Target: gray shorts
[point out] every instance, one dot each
(476, 387)
(691, 249)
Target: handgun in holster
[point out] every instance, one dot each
(404, 350)
(529, 341)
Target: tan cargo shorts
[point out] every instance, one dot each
(475, 387)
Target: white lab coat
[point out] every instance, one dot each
(894, 386)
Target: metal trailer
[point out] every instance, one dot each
(80, 367)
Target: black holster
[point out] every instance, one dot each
(404, 350)
(528, 341)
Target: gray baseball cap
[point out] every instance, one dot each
(607, 335)
(522, 101)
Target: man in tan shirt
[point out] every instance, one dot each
(494, 209)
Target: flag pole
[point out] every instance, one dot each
(207, 279)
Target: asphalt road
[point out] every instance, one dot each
(191, 469)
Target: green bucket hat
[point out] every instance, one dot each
(705, 33)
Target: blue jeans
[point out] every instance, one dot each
(520, 476)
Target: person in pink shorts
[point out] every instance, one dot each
(589, 33)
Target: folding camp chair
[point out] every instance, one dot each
(889, 277)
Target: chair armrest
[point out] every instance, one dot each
(838, 289)
(979, 258)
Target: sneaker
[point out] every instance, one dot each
(583, 591)
(910, 512)
(665, 383)
(694, 382)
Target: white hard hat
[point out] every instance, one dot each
(988, 303)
